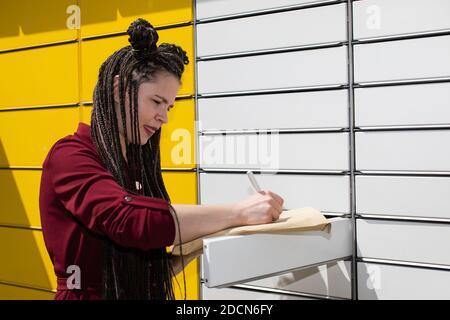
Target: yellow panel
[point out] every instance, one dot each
(25, 259)
(178, 136)
(110, 16)
(95, 52)
(182, 188)
(86, 112)
(11, 292)
(20, 197)
(192, 282)
(43, 76)
(25, 23)
(26, 136)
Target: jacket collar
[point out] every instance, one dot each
(84, 132)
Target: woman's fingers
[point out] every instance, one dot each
(276, 197)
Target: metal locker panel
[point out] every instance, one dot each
(404, 241)
(122, 14)
(375, 18)
(403, 150)
(271, 31)
(403, 196)
(210, 9)
(44, 76)
(330, 280)
(32, 23)
(314, 151)
(20, 198)
(387, 282)
(323, 109)
(425, 104)
(297, 190)
(240, 294)
(26, 136)
(288, 251)
(25, 260)
(404, 59)
(12, 292)
(273, 71)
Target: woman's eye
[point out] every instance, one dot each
(157, 102)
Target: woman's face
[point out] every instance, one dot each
(155, 99)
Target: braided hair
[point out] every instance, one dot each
(130, 273)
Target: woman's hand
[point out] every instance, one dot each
(261, 207)
(196, 221)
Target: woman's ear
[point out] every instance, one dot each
(116, 88)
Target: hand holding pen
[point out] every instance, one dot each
(261, 207)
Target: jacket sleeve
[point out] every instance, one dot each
(92, 195)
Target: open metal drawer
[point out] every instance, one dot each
(229, 260)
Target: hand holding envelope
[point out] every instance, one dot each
(302, 219)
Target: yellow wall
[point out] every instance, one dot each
(46, 90)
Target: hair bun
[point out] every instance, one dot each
(142, 37)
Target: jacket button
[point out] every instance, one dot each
(128, 198)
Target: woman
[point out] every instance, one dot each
(105, 212)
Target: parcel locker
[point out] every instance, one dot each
(422, 197)
(301, 151)
(304, 110)
(417, 150)
(329, 280)
(242, 294)
(419, 242)
(391, 282)
(297, 190)
(402, 59)
(273, 71)
(288, 251)
(379, 18)
(407, 105)
(207, 9)
(325, 24)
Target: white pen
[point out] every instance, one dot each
(253, 182)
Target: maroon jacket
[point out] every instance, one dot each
(81, 202)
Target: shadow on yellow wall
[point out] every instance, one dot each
(22, 250)
(32, 17)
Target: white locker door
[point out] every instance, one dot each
(306, 110)
(325, 24)
(402, 60)
(378, 18)
(388, 282)
(274, 71)
(408, 105)
(425, 197)
(288, 251)
(328, 193)
(211, 9)
(405, 241)
(403, 150)
(319, 151)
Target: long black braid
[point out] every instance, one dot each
(130, 273)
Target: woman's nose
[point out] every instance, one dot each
(163, 116)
